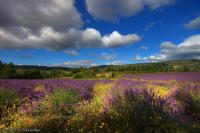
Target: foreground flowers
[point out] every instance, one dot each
(126, 105)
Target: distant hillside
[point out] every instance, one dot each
(44, 68)
(177, 64)
(180, 63)
(164, 66)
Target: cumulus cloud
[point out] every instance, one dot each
(195, 23)
(110, 10)
(72, 52)
(57, 41)
(76, 64)
(53, 25)
(108, 57)
(118, 62)
(35, 14)
(116, 39)
(188, 49)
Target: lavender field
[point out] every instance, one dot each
(142, 103)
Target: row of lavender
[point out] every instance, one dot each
(178, 76)
(27, 87)
(140, 106)
(124, 105)
(25, 97)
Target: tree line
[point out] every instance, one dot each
(8, 71)
(149, 68)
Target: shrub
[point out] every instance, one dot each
(142, 111)
(55, 108)
(61, 102)
(78, 76)
(135, 111)
(190, 99)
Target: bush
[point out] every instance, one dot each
(61, 102)
(134, 111)
(32, 74)
(78, 76)
(189, 97)
(141, 111)
(56, 108)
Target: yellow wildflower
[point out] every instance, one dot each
(2, 126)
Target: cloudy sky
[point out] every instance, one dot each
(76, 33)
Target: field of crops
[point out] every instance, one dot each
(145, 103)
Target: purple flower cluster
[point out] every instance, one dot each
(134, 102)
(26, 87)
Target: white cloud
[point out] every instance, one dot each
(75, 64)
(35, 14)
(108, 57)
(154, 4)
(188, 49)
(94, 64)
(137, 58)
(167, 45)
(53, 25)
(115, 39)
(72, 52)
(110, 10)
(143, 47)
(58, 41)
(195, 23)
(118, 62)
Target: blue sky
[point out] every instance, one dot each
(75, 33)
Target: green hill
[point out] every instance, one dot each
(44, 68)
(178, 65)
(164, 66)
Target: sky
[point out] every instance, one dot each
(74, 33)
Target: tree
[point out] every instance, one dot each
(185, 69)
(8, 71)
(32, 74)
